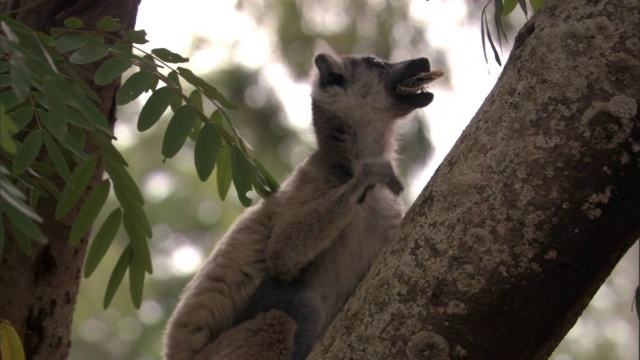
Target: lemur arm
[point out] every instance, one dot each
(312, 222)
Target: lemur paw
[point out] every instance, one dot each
(381, 172)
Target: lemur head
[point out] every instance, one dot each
(367, 86)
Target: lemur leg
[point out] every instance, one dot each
(303, 307)
(221, 288)
(269, 336)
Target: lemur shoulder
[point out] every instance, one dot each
(277, 279)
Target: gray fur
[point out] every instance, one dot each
(291, 262)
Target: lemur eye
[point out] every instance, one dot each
(378, 62)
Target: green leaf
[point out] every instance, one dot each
(79, 84)
(110, 70)
(168, 56)
(509, 6)
(137, 240)
(178, 130)
(108, 24)
(117, 275)
(4, 66)
(11, 346)
(265, 179)
(88, 109)
(136, 280)
(153, 109)
(241, 171)
(69, 42)
(20, 78)
(122, 180)
(22, 116)
(23, 241)
(57, 157)
(175, 83)
(73, 192)
(223, 174)
(22, 222)
(87, 55)
(74, 142)
(27, 152)
(75, 118)
(523, 7)
(89, 211)
(102, 241)
(8, 31)
(8, 100)
(206, 88)
(134, 86)
(136, 36)
(56, 121)
(196, 99)
(206, 150)
(536, 4)
(108, 149)
(15, 197)
(5, 81)
(7, 130)
(73, 22)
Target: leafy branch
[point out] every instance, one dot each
(501, 9)
(49, 114)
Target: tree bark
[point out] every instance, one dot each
(529, 213)
(39, 291)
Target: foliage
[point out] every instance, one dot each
(502, 9)
(50, 121)
(10, 344)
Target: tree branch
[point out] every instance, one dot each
(528, 214)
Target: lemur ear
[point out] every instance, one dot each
(330, 71)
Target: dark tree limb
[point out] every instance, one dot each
(529, 213)
(38, 293)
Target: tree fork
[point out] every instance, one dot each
(528, 214)
(39, 291)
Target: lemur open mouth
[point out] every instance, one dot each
(417, 84)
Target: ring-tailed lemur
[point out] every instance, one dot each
(281, 274)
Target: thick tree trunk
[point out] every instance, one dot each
(38, 292)
(528, 214)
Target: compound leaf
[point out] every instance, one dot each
(223, 174)
(117, 275)
(108, 24)
(169, 56)
(87, 55)
(89, 211)
(206, 88)
(178, 130)
(10, 344)
(110, 70)
(241, 171)
(102, 241)
(153, 109)
(136, 36)
(58, 159)
(27, 152)
(206, 150)
(134, 86)
(72, 192)
(136, 280)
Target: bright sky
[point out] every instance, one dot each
(234, 37)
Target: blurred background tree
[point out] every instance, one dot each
(262, 65)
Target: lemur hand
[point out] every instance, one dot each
(380, 172)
